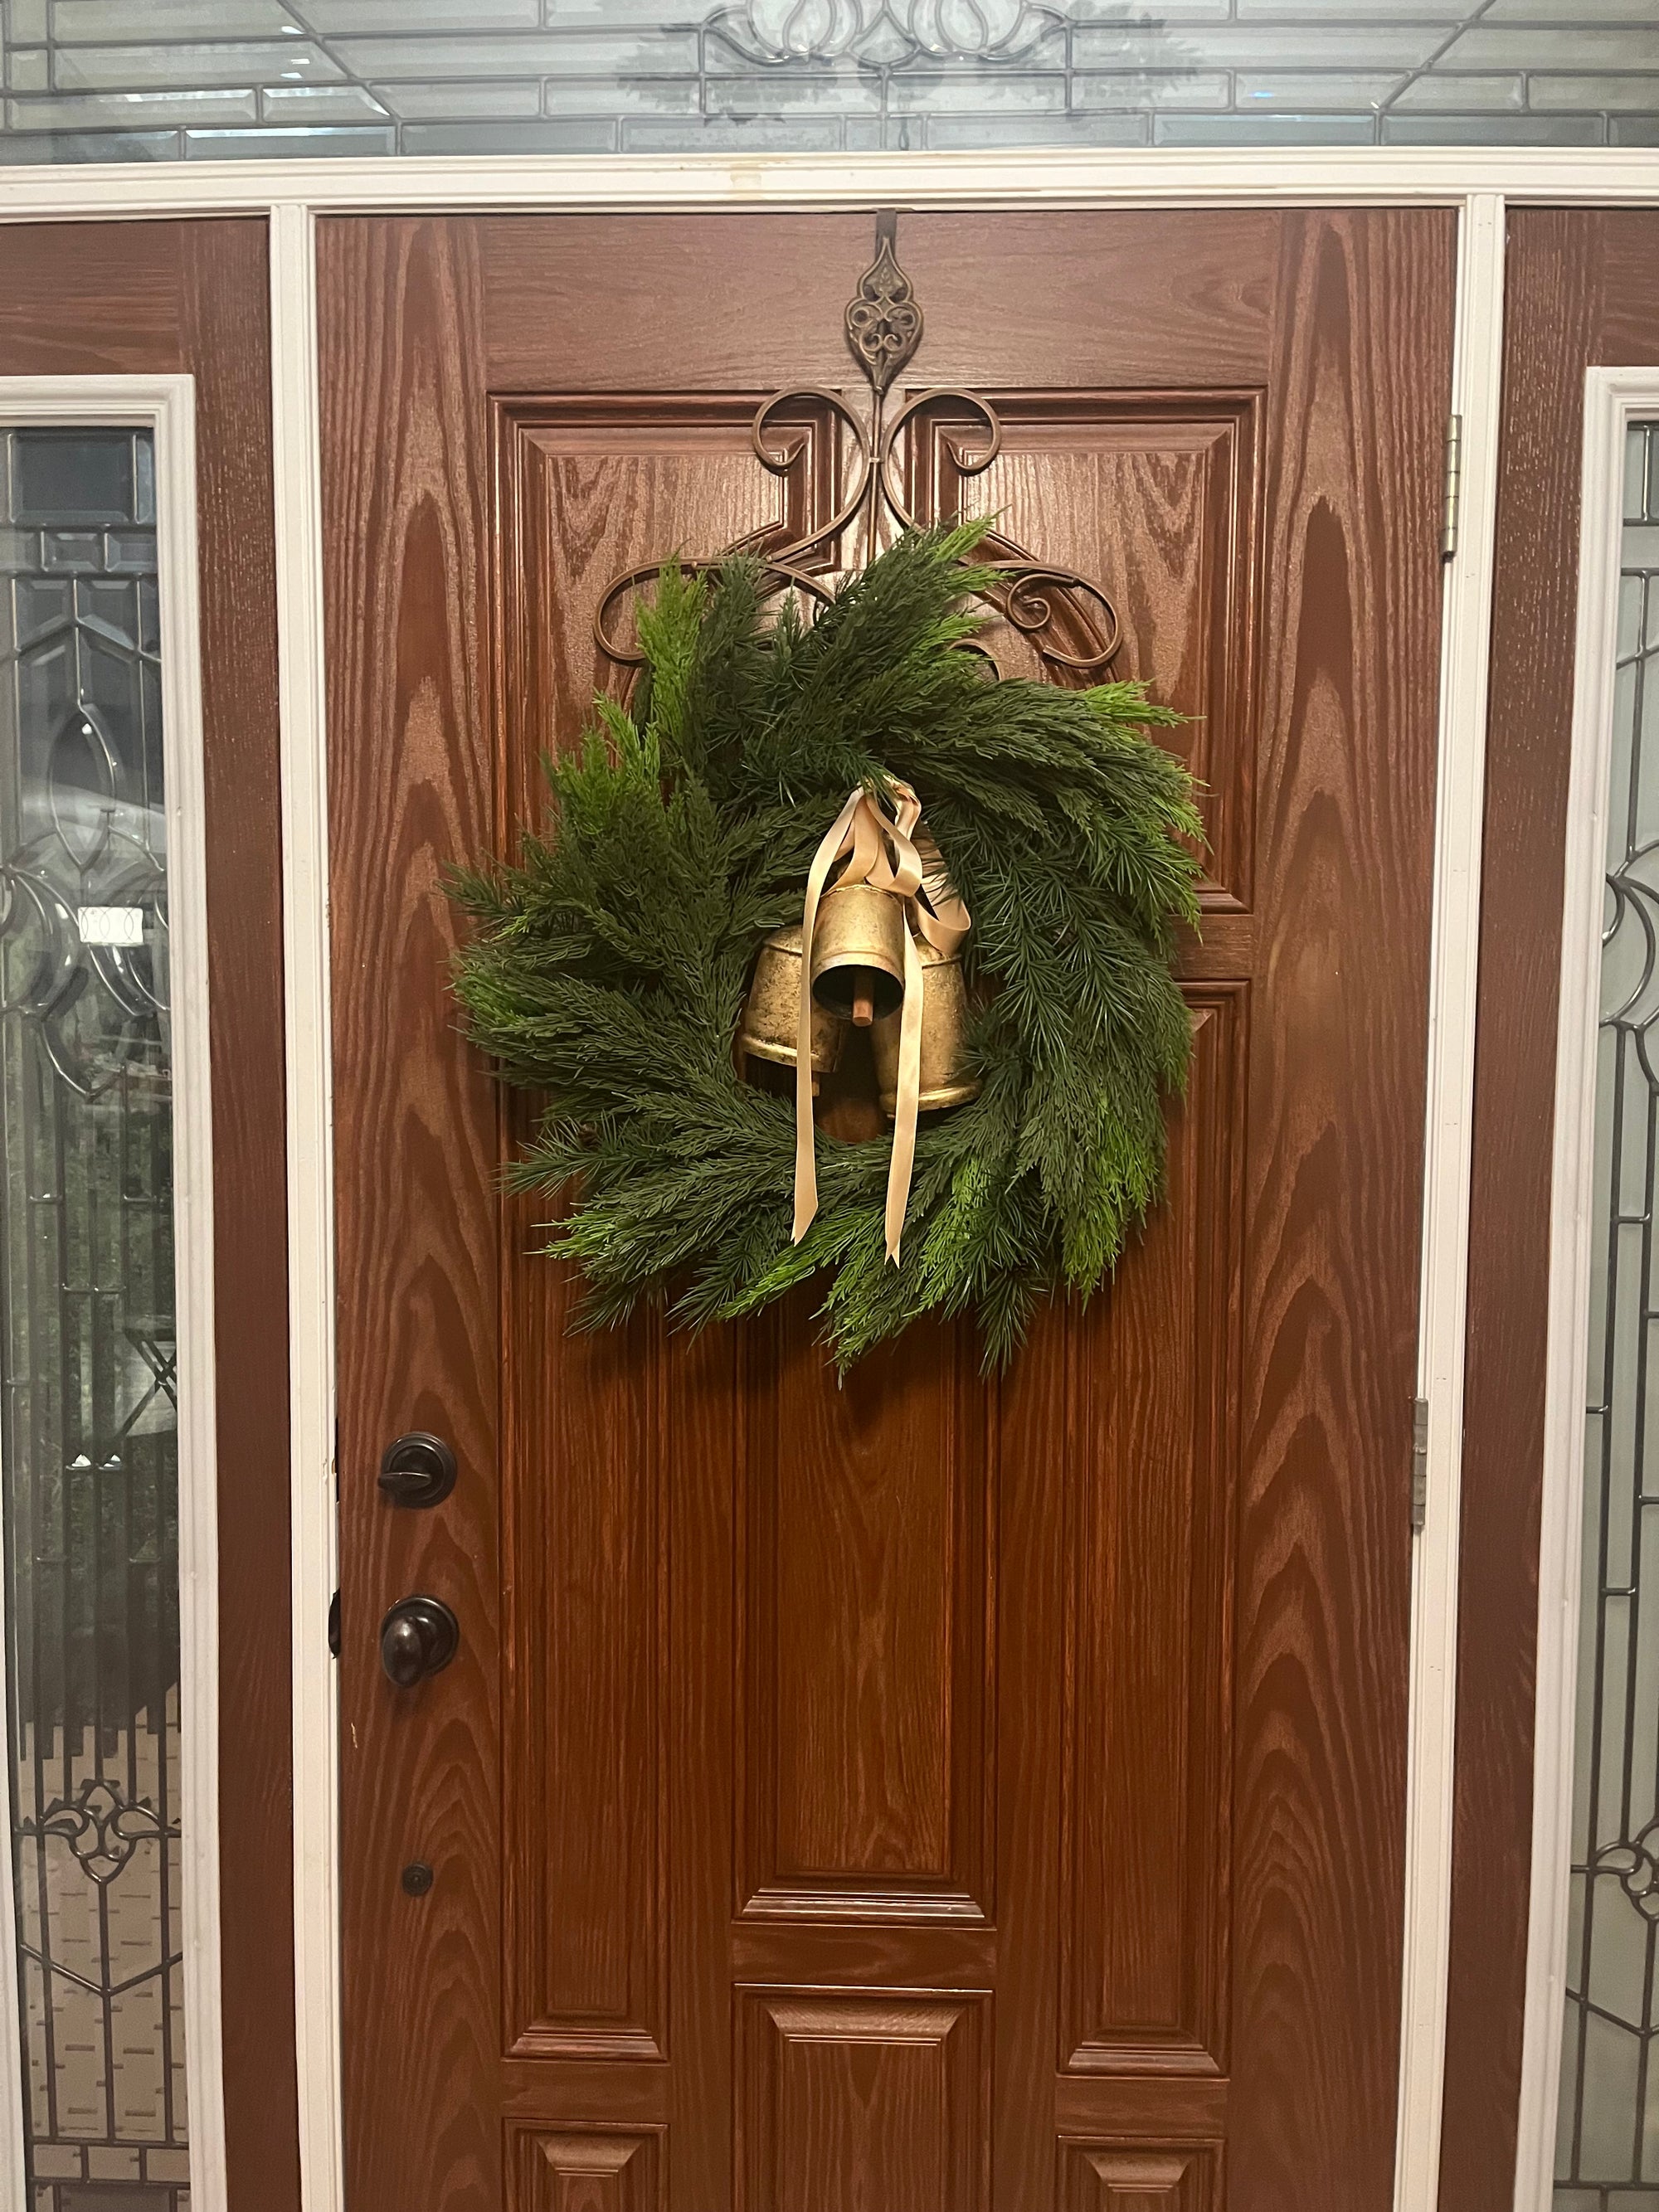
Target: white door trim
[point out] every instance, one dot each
(166, 404)
(1613, 398)
(1445, 176)
(297, 461)
(1477, 378)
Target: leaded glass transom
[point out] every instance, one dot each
(166, 80)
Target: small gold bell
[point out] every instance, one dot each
(945, 1079)
(771, 1015)
(858, 952)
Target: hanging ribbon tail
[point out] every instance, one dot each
(898, 856)
(837, 839)
(940, 915)
(905, 1106)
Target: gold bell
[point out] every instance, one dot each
(858, 952)
(945, 1079)
(771, 1016)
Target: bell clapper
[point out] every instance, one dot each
(864, 999)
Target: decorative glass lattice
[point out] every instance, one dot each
(166, 79)
(88, 1418)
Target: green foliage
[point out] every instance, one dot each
(610, 961)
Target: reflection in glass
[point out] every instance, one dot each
(87, 1418)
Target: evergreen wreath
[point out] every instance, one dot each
(609, 964)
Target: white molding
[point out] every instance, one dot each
(1477, 378)
(1613, 398)
(175, 419)
(1446, 176)
(166, 405)
(297, 459)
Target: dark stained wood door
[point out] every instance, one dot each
(930, 1794)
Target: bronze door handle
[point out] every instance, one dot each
(419, 1637)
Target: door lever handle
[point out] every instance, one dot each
(419, 1637)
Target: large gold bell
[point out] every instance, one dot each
(858, 952)
(771, 1017)
(946, 1080)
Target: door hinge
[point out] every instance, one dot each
(1420, 1465)
(1454, 500)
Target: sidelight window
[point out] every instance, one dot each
(99, 1833)
(1608, 2135)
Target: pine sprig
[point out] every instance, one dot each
(609, 957)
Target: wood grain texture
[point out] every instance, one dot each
(1152, 298)
(1148, 1671)
(867, 1682)
(597, 2170)
(1145, 2178)
(1581, 289)
(82, 299)
(903, 1764)
(411, 789)
(1158, 496)
(227, 334)
(586, 1630)
(849, 2101)
(1345, 789)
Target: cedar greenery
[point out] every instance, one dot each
(610, 963)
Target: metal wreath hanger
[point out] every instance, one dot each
(1067, 617)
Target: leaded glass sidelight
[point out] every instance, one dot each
(1607, 2143)
(87, 1417)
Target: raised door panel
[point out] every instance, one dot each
(586, 1626)
(594, 489)
(1158, 496)
(865, 1684)
(596, 2169)
(870, 2101)
(589, 490)
(1138, 2178)
(1147, 1752)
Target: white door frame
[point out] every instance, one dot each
(165, 405)
(1479, 184)
(1613, 399)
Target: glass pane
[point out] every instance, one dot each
(1607, 2139)
(166, 80)
(88, 1460)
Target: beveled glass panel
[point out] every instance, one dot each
(161, 80)
(88, 1458)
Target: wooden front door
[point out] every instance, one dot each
(928, 1795)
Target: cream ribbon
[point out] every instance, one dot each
(897, 855)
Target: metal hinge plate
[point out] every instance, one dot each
(1454, 487)
(1420, 1465)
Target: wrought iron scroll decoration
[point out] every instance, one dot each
(1067, 617)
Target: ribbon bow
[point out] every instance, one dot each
(891, 854)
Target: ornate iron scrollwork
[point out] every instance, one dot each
(1067, 618)
(882, 321)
